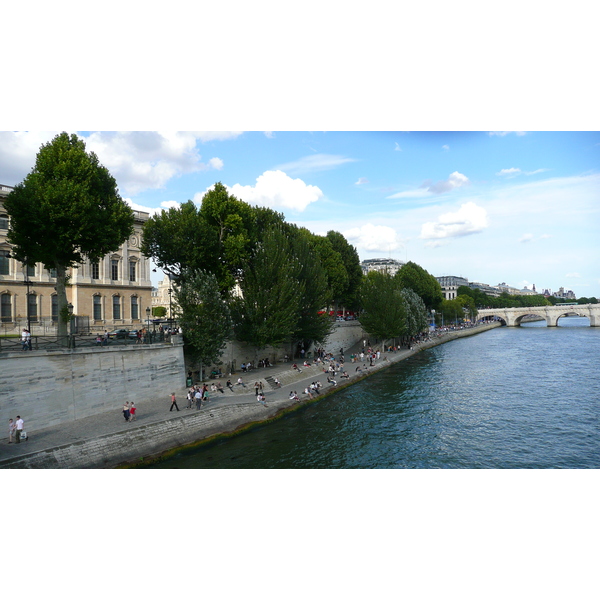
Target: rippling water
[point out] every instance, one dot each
(525, 397)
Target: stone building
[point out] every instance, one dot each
(384, 265)
(112, 293)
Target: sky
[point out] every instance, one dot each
(515, 207)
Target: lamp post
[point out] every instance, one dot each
(170, 290)
(148, 320)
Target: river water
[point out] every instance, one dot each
(509, 398)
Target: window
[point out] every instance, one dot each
(134, 308)
(132, 270)
(32, 307)
(97, 308)
(4, 262)
(95, 270)
(30, 271)
(114, 269)
(116, 307)
(54, 301)
(52, 273)
(6, 308)
(3, 221)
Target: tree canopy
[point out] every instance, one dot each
(426, 286)
(66, 209)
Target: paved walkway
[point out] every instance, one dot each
(151, 410)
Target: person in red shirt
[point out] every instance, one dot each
(132, 410)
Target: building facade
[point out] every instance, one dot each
(384, 265)
(112, 293)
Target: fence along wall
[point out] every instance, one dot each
(49, 388)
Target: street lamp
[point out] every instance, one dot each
(70, 307)
(148, 318)
(27, 282)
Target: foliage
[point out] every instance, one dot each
(384, 309)
(267, 312)
(349, 256)
(505, 300)
(179, 240)
(416, 313)
(416, 278)
(204, 316)
(159, 311)
(66, 209)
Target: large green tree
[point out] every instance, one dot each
(416, 278)
(351, 261)
(204, 316)
(266, 313)
(383, 307)
(67, 208)
(180, 241)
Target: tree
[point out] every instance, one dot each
(159, 311)
(422, 283)
(66, 209)
(204, 316)
(384, 308)
(180, 240)
(351, 262)
(416, 313)
(267, 312)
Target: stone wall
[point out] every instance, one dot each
(344, 335)
(53, 387)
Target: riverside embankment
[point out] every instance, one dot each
(106, 440)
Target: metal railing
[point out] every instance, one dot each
(55, 342)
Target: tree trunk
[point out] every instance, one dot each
(61, 292)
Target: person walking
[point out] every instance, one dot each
(173, 403)
(126, 413)
(19, 426)
(132, 410)
(11, 430)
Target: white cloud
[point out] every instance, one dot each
(397, 148)
(215, 163)
(526, 237)
(170, 204)
(269, 134)
(18, 150)
(454, 181)
(361, 181)
(446, 147)
(314, 162)
(275, 190)
(511, 171)
(503, 133)
(141, 160)
(469, 219)
(536, 171)
(573, 275)
(373, 238)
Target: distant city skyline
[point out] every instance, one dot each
(514, 207)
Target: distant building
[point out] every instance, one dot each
(485, 288)
(383, 265)
(505, 288)
(450, 285)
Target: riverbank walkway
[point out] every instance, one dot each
(156, 409)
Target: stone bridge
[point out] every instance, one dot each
(513, 316)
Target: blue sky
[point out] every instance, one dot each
(514, 207)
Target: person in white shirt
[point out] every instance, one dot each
(19, 426)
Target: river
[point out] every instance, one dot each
(509, 398)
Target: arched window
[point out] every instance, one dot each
(32, 307)
(54, 301)
(97, 307)
(6, 308)
(116, 307)
(3, 221)
(135, 313)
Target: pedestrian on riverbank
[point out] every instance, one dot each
(173, 403)
(11, 430)
(229, 384)
(126, 413)
(240, 382)
(19, 427)
(132, 410)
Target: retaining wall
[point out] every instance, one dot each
(54, 387)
